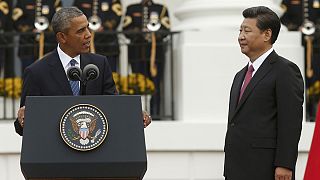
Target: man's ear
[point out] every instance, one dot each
(267, 35)
(61, 37)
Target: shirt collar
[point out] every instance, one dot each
(257, 63)
(65, 58)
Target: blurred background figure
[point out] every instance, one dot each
(304, 16)
(104, 16)
(26, 15)
(6, 53)
(146, 51)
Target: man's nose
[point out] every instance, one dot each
(241, 37)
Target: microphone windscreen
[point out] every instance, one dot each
(91, 72)
(74, 73)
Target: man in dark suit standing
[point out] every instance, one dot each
(47, 77)
(265, 108)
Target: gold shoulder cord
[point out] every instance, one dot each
(4, 7)
(41, 39)
(153, 66)
(309, 71)
(96, 21)
(308, 30)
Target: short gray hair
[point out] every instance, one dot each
(61, 19)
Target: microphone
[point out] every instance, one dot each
(74, 73)
(90, 72)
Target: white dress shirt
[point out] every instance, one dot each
(65, 59)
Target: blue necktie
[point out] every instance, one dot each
(74, 84)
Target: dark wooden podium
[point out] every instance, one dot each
(46, 156)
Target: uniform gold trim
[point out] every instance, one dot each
(45, 10)
(316, 4)
(309, 70)
(284, 7)
(104, 6)
(110, 24)
(41, 45)
(17, 13)
(153, 66)
(57, 3)
(4, 7)
(297, 2)
(163, 11)
(166, 22)
(127, 21)
(92, 46)
(117, 9)
(24, 28)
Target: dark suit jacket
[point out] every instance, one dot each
(47, 77)
(264, 127)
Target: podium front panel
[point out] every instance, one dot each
(121, 155)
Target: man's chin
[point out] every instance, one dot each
(244, 51)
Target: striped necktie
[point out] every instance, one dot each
(74, 84)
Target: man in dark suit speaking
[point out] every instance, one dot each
(47, 77)
(265, 108)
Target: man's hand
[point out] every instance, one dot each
(282, 174)
(146, 118)
(21, 115)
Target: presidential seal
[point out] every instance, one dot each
(83, 127)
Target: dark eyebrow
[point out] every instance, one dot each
(245, 27)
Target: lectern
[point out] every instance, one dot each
(83, 137)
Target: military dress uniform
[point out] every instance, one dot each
(296, 12)
(5, 8)
(5, 17)
(110, 13)
(24, 15)
(293, 15)
(136, 20)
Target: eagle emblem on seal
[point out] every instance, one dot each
(83, 127)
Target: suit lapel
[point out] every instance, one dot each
(235, 91)
(84, 60)
(263, 70)
(58, 73)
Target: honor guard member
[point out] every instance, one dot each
(304, 16)
(293, 14)
(105, 16)
(5, 8)
(26, 15)
(146, 51)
